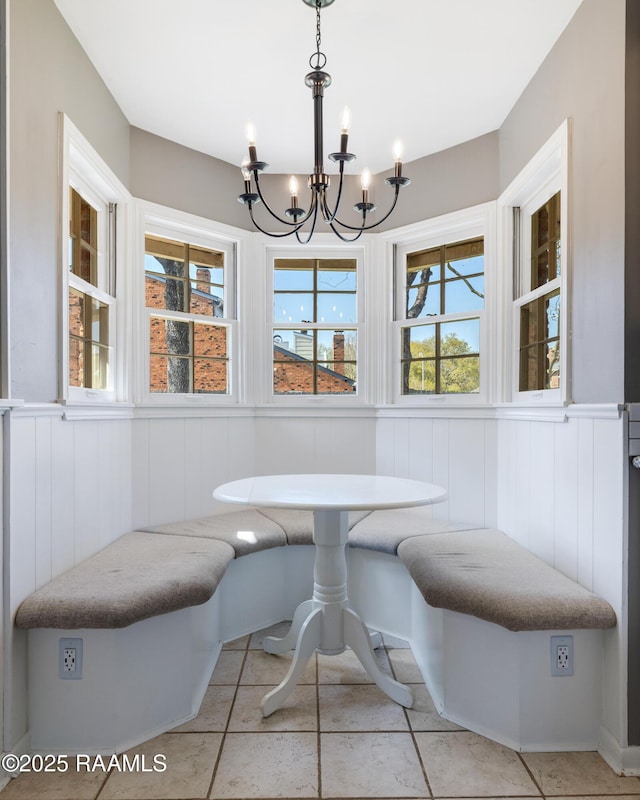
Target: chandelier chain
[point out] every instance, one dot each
(319, 56)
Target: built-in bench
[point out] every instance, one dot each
(154, 607)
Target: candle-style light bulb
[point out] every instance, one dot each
(344, 136)
(397, 157)
(251, 138)
(293, 191)
(346, 119)
(246, 173)
(366, 181)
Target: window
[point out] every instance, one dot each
(186, 293)
(94, 206)
(90, 304)
(539, 353)
(533, 222)
(441, 297)
(314, 330)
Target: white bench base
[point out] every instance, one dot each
(143, 680)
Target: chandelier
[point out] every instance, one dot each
(319, 206)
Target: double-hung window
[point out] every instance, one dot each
(533, 215)
(91, 295)
(440, 309)
(93, 202)
(188, 287)
(315, 326)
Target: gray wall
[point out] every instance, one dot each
(168, 173)
(49, 72)
(583, 78)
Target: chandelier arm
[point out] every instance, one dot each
(293, 225)
(313, 226)
(375, 224)
(267, 233)
(329, 215)
(345, 238)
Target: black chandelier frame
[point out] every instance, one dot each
(318, 182)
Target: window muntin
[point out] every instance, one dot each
(185, 290)
(446, 285)
(539, 363)
(314, 361)
(444, 358)
(315, 309)
(90, 309)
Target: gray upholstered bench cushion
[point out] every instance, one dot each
(385, 530)
(138, 576)
(487, 575)
(246, 530)
(298, 525)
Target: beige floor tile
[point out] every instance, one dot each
(214, 711)
(273, 765)
(237, 644)
(404, 666)
(423, 715)
(278, 630)
(69, 785)
(370, 765)
(299, 713)
(359, 708)
(346, 668)
(596, 797)
(190, 759)
(264, 669)
(467, 765)
(227, 669)
(577, 773)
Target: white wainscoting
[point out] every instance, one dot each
(69, 496)
(179, 460)
(457, 453)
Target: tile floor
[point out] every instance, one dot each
(337, 737)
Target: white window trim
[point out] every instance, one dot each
(324, 246)
(446, 229)
(82, 168)
(545, 174)
(169, 223)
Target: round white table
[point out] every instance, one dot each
(326, 623)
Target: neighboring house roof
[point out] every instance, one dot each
(325, 370)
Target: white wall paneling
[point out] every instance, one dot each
(69, 496)
(179, 460)
(324, 442)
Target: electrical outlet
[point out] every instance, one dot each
(561, 656)
(70, 659)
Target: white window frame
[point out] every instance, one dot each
(85, 171)
(477, 221)
(167, 223)
(546, 174)
(317, 251)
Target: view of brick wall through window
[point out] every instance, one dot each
(88, 316)
(314, 352)
(187, 354)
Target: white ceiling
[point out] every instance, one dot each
(432, 72)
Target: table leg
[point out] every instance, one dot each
(276, 646)
(356, 636)
(308, 641)
(325, 623)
